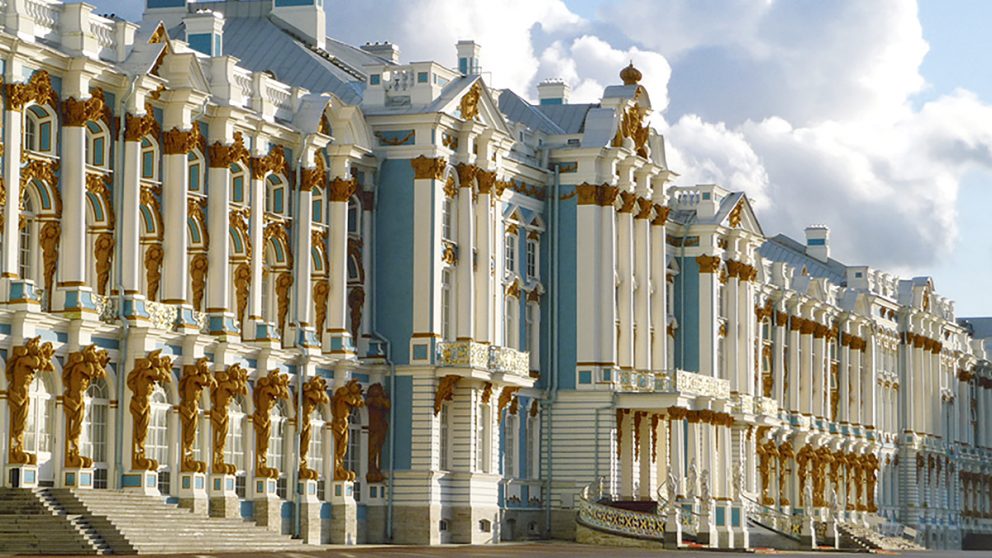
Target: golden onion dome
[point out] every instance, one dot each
(630, 75)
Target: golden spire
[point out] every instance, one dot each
(630, 75)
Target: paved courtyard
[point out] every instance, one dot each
(542, 550)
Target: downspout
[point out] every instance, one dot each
(389, 362)
(118, 178)
(304, 357)
(552, 394)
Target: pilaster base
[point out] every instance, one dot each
(193, 492)
(142, 482)
(76, 302)
(80, 477)
(22, 476)
(224, 500)
(222, 324)
(268, 513)
(338, 342)
(20, 292)
(310, 522)
(344, 513)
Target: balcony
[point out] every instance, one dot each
(674, 381)
(495, 359)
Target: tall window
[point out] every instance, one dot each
(533, 446)
(25, 263)
(38, 130)
(444, 445)
(447, 306)
(532, 261)
(157, 442)
(510, 426)
(447, 219)
(38, 436)
(317, 205)
(354, 216)
(234, 450)
(511, 332)
(510, 252)
(94, 443)
(481, 416)
(316, 455)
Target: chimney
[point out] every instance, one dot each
(468, 57)
(818, 242)
(553, 92)
(306, 17)
(205, 32)
(385, 50)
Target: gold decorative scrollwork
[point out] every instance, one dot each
(445, 391)
(428, 168)
(38, 89)
(469, 104)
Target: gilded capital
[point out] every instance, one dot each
(341, 189)
(708, 264)
(431, 168)
(78, 113)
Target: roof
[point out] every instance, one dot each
(517, 109)
(981, 328)
(781, 248)
(570, 118)
(261, 45)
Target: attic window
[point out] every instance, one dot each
(858, 274)
(573, 142)
(375, 79)
(706, 195)
(421, 77)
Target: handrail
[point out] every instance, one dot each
(756, 504)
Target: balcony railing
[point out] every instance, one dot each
(468, 354)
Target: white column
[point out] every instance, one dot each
(219, 253)
(796, 377)
(778, 355)
(256, 230)
(464, 273)
(303, 229)
(734, 372)
(659, 285)
(174, 194)
(72, 256)
(709, 268)
(426, 256)
(625, 254)
(590, 317)
(12, 180)
(483, 283)
(129, 213)
(642, 295)
(844, 378)
(338, 339)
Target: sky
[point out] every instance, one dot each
(873, 118)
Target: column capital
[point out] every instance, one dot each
(431, 168)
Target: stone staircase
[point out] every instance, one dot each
(132, 523)
(870, 540)
(31, 523)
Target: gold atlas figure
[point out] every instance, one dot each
(24, 363)
(314, 394)
(80, 370)
(195, 378)
(147, 373)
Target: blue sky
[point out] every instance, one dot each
(872, 117)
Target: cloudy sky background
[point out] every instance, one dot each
(872, 117)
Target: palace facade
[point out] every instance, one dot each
(271, 276)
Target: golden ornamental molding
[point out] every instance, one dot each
(153, 269)
(469, 104)
(38, 89)
(242, 285)
(450, 189)
(273, 161)
(181, 142)
(78, 112)
(466, 174)
(645, 208)
(198, 268)
(103, 253)
(225, 385)
(627, 202)
(506, 395)
(315, 176)
(137, 127)
(708, 264)
(283, 282)
(49, 238)
(341, 189)
(222, 156)
(428, 167)
(660, 215)
(321, 289)
(445, 391)
(378, 404)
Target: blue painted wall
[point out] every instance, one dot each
(567, 258)
(686, 311)
(402, 426)
(393, 255)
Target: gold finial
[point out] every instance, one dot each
(630, 75)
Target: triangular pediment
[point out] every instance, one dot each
(741, 216)
(474, 101)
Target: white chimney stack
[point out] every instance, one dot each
(385, 50)
(553, 92)
(818, 242)
(468, 57)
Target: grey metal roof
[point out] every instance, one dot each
(781, 248)
(516, 109)
(570, 118)
(981, 328)
(261, 45)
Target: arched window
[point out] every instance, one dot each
(149, 159)
(38, 435)
(157, 442)
(94, 439)
(318, 205)
(234, 447)
(275, 194)
(39, 130)
(194, 170)
(97, 145)
(237, 184)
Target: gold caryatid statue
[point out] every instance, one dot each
(230, 383)
(147, 373)
(377, 403)
(81, 368)
(268, 389)
(314, 394)
(195, 378)
(23, 365)
(346, 398)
